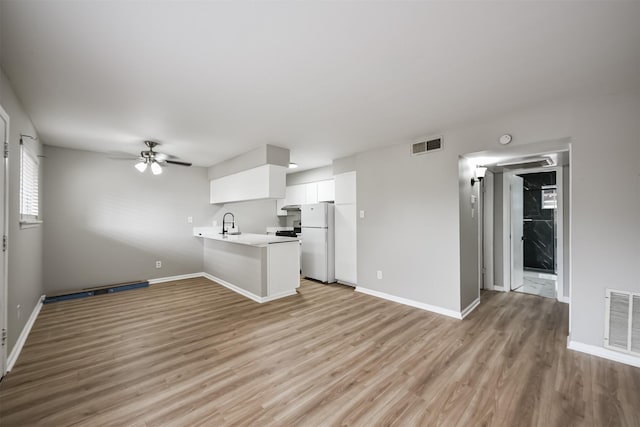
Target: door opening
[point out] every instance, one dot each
(535, 234)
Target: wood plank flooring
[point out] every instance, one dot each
(192, 353)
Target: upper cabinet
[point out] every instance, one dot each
(304, 194)
(263, 182)
(345, 188)
(326, 191)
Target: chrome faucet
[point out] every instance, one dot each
(233, 222)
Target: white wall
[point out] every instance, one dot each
(252, 216)
(107, 223)
(25, 245)
(420, 195)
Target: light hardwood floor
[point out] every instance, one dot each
(192, 353)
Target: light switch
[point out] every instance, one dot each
(362, 214)
(190, 219)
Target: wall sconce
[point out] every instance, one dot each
(480, 172)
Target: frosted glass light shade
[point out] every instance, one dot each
(142, 166)
(480, 172)
(156, 168)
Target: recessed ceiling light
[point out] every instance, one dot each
(293, 165)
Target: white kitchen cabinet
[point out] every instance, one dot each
(345, 188)
(262, 182)
(296, 195)
(326, 191)
(311, 190)
(346, 263)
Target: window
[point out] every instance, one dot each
(29, 184)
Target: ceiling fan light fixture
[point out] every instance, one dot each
(142, 166)
(156, 168)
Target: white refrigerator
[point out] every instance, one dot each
(318, 242)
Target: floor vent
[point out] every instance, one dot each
(622, 321)
(423, 147)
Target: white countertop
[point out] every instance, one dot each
(250, 239)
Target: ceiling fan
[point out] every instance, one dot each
(153, 159)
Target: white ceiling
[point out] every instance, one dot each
(326, 79)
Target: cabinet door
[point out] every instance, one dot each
(296, 195)
(345, 188)
(326, 191)
(346, 243)
(311, 193)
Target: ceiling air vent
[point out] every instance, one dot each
(434, 144)
(622, 321)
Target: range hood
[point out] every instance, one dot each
(291, 208)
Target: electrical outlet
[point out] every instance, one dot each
(362, 214)
(379, 274)
(190, 219)
(19, 308)
(158, 264)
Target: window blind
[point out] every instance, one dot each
(29, 184)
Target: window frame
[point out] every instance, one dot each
(27, 216)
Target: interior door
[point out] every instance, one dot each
(517, 232)
(4, 133)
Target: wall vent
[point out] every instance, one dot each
(427, 146)
(622, 321)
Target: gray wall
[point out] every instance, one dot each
(265, 154)
(566, 232)
(344, 165)
(252, 216)
(311, 175)
(107, 223)
(25, 245)
(411, 227)
(498, 254)
(469, 227)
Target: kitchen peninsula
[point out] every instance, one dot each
(258, 266)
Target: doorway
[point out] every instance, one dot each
(4, 132)
(536, 229)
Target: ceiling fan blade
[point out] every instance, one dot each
(176, 162)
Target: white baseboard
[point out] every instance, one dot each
(470, 308)
(605, 353)
(346, 283)
(499, 288)
(172, 278)
(17, 348)
(564, 299)
(411, 303)
(245, 293)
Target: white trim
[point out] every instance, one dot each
(564, 299)
(353, 285)
(278, 296)
(4, 279)
(470, 308)
(17, 348)
(172, 278)
(594, 350)
(498, 288)
(246, 293)
(411, 303)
